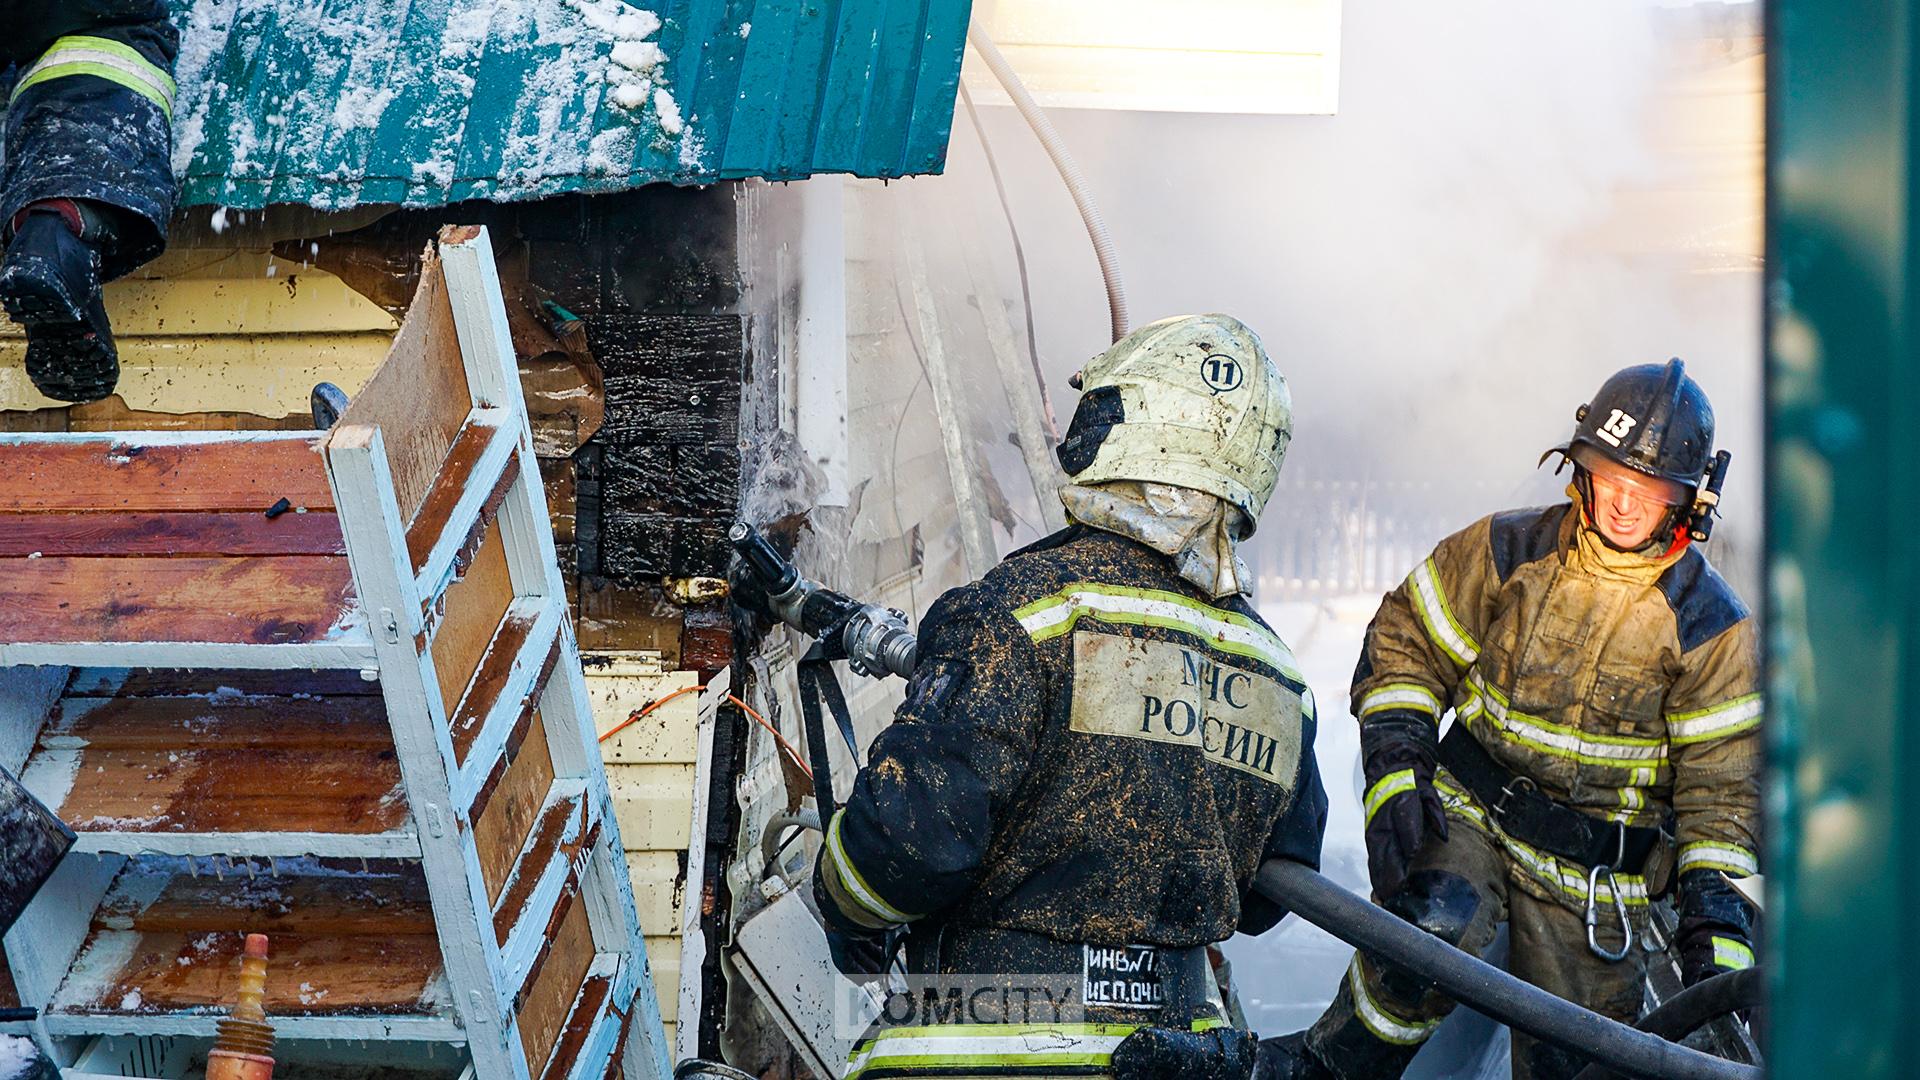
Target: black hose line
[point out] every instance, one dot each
(1685, 1012)
(1485, 988)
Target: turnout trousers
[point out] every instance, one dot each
(1461, 890)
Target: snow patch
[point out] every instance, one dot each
(466, 33)
(669, 111)
(361, 107)
(203, 38)
(693, 150)
(631, 95)
(612, 150)
(639, 56)
(437, 173)
(18, 1056)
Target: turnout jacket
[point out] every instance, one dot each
(89, 110)
(1089, 750)
(1624, 686)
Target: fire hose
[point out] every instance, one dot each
(1685, 1012)
(1487, 989)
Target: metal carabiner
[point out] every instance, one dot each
(1593, 916)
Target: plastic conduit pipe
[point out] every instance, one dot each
(1069, 171)
(1485, 988)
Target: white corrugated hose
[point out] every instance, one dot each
(1069, 171)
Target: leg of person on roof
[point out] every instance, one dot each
(86, 181)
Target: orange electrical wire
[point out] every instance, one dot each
(638, 714)
(635, 716)
(784, 744)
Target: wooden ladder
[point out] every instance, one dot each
(455, 606)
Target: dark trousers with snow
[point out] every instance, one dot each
(88, 115)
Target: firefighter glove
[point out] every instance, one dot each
(1716, 927)
(861, 953)
(1402, 808)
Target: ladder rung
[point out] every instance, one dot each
(511, 677)
(350, 650)
(400, 844)
(558, 846)
(203, 1022)
(469, 488)
(595, 1022)
(507, 685)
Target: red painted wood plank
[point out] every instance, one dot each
(267, 600)
(146, 533)
(218, 474)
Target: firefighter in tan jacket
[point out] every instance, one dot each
(1605, 744)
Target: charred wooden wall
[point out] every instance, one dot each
(635, 401)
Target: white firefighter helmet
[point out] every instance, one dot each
(1192, 401)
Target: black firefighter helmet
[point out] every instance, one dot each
(1655, 420)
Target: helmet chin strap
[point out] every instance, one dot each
(1673, 524)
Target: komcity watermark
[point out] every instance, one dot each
(916, 1001)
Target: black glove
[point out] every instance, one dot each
(1157, 1053)
(1716, 927)
(1397, 753)
(860, 953)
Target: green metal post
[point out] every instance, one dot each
(1843, 515)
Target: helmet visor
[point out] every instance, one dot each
(1634, 483)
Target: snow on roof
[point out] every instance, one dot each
(335, 103)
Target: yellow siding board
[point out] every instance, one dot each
(266, 374)
(250, 343)
(663, 956)
(666, 734)
(656, 889)
(651, 776)
(315, 303)
(654, 805)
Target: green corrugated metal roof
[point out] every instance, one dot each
(335, 103)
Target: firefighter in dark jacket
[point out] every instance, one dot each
(1100, 743)
(86, 183)
(1605, 690)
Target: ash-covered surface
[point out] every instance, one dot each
(669, 476)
